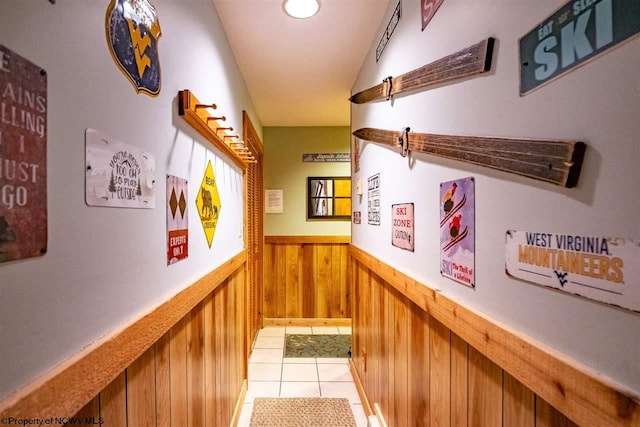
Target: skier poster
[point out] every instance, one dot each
(177, 220)
(457, 230)
(118, 175)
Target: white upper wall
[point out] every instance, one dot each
(106, 267)
(597, 103)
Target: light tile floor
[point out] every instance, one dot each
(272, 375)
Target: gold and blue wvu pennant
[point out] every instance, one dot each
(133, 31)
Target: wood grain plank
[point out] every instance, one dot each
(163, 382)
(485, 391)
(346, 278)
(548, 416)
(88, 415)
(382, 331)
(209, 363)
(418, 367)
(178, 356)
(141, 390)
(400, 365)
(308, 282)
(323, 264)
(459, 381)
(195, 366)
(218, 315)
(293, 303)
(225, 397)
(336, 286)
(269, 293)
(281, 280)
(439, 373)
(113, 402)
(518, 403)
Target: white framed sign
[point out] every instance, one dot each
(273, 201)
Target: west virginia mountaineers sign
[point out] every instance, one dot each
(133, 32)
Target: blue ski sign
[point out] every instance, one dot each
(578, 32)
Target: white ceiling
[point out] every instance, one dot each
(299, 72)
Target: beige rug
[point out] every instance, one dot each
(301, 412)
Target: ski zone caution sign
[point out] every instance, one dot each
(578, 32)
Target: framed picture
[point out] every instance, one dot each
(329, 198)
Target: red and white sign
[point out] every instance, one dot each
(402, 226)
(177, 220)
(429, 8)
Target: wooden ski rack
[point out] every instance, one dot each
(197, 115)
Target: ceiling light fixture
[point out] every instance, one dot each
(301, 8)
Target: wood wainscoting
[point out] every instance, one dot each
(306, 277)
(429, 361)
(183, 364)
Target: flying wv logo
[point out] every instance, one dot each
(133, 31)
(562, 277)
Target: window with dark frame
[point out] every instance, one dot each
(329, 197)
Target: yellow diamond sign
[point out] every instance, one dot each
(208, 203)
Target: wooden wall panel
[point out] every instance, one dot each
(141, 390)
(113, 403)
(485, 391)
(306, 277)
(418, 367)
(439, 373)
(195, 367)
(459, 381)
(191, 376)
(519, 403)
(163, 382)
(424, 368)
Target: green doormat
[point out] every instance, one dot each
(317, 345)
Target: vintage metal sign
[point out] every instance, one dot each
(326, 157)
(208, 203)
(429, 8)
(23, 157)
(118, 175)
(133, 31)
(402, 226)
(604, 269)
(457, 230)
(578, 32)
(177, 220)
(391, 26)
(373, 186)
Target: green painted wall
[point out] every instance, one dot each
(284, 169)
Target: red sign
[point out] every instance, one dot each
(402, 226)
(429, 8)
(23, 157)
(177, 219)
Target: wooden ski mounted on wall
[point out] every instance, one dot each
(473, 60)
(557, 162)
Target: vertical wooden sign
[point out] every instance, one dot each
(23, 157)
